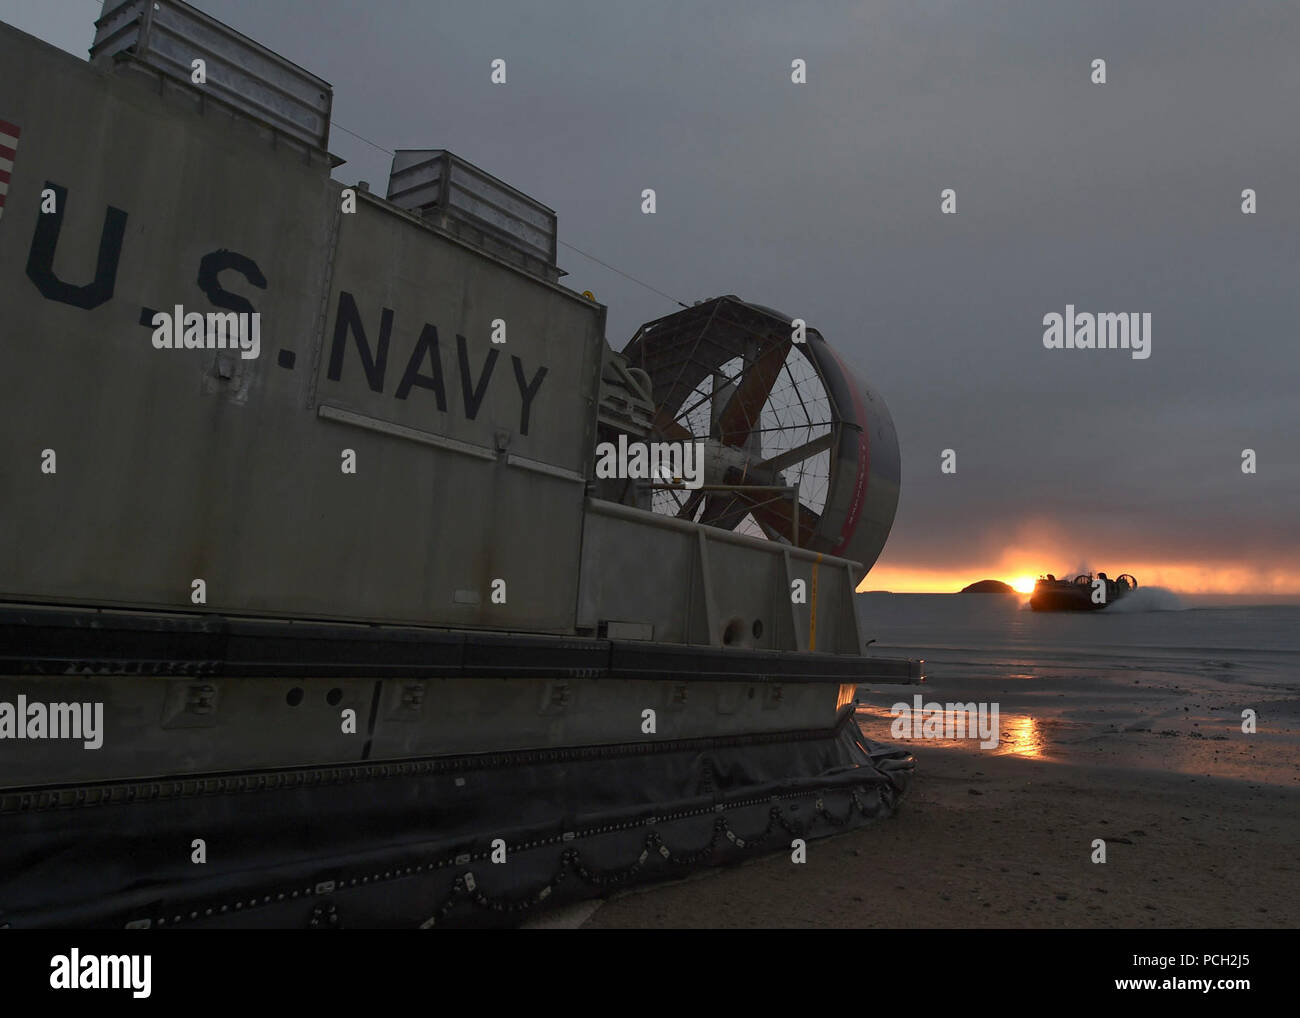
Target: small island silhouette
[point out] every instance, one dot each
(989, 587)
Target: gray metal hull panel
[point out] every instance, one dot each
(177, 465)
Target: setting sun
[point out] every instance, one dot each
(1023, 584)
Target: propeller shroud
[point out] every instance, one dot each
(772, 413)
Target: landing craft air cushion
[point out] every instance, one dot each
(373, 643)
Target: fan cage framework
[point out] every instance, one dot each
(698, 360)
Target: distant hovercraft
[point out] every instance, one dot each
(1084, 593)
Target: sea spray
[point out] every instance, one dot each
(1147, 599)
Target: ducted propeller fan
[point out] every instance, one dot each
(797, 448)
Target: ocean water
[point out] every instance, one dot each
(1150, 630)
(1156, 680)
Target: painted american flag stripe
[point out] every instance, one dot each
(9, 134)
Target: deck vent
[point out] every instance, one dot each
(459, 197)
(167, 36)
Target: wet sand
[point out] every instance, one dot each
(1201, 824)
(1006, 842)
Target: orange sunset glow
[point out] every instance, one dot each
(1020, 571)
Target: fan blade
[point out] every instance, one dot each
(776, 514)
(719, 510)
(687, 511)
(741, 415)
(669, 428)
(771, 532)
(799, 453)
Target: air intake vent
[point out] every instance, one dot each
(462, 199)
(167, 36)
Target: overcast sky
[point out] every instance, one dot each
(823, 200)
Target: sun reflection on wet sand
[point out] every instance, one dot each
(1018, 734)
(1022, 735)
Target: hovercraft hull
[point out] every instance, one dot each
(316, 610)
(1068, 597)
(495, 774)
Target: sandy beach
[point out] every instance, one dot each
(1200, 820)
(1005, 841)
